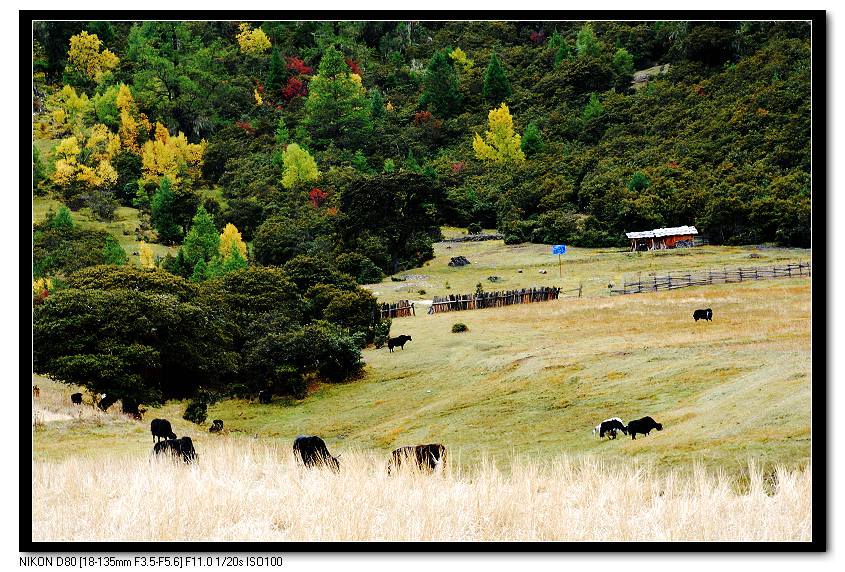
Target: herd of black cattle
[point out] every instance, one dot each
(312, 451)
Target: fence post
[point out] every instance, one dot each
(580, 287)
(789, 269)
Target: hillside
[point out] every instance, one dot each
(535, 379)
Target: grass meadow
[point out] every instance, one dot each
(514, 399)
(249, 490)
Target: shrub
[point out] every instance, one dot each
(197, 411)
(474, 228)
(382, 332)
(459, 327)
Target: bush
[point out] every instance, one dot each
(197, 411)
(474, 228)
(382, 332)
(459, 327)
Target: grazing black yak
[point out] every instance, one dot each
(643, 426)
(216, 426)
(182, 447)
(610, 427)
(161, 429)
(76, 398)
(426, 457)
(703, 315)
(264, 396)
(313, 452)
(398, 341)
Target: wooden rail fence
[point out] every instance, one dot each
(458, 302)
(400, 309)
(674, 280)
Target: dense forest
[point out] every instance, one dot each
(290, 162)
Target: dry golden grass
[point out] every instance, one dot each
(242, 489)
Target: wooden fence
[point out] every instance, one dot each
(674, 280)
(398, 310)
(457, 302)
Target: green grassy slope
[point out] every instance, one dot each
(535, 379)
(595, 268)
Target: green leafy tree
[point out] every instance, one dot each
(299, 167)
(202, 242)
(62, 220)
(38, 171)
(337, 109)
(639, 182)
(587, 44)
(113, 253)
(162, 206)
(532, 140)
(398, 208)
(563, 53)
(497, 88)
(593, 109)
(441, 94)
(623, 62)
(134, 345)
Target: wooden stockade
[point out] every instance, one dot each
(674, 280)
(457, 302)
(398, 310)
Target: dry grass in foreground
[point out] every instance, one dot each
(244, 490)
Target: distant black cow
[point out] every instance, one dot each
(398, 341)
(76, 398)
(182, 447)
(703, 315)
(107, 401)
(264, 396)
(314, 453)
(426, 457)
(161, 429)
(216, 426)
(643, 426)
(610, 427)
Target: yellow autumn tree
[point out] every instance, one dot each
(253, 42)
(67, 165)
(134, 126)
(460, 58)
(171, 156)
(85, 58)
(500, 144)
(147, 255)
(231, 236)
(68, 110)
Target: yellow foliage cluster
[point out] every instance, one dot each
(170, 156)
(147, 255)
(253, 42)
(460, 58)
(132, 123)
(85, 56)
(389, 106)
(229, 237)
(38, 286)
(500, 143)
(69, 110)
(101, 146)
(258, 100)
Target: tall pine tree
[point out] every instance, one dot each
(277, 75)
(441, 94)
(497, 88)
(163, 215)
(202, 241)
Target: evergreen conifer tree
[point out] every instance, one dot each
(202, 241)
(277, 75)
(497, 88)
(441, 94)
(163, 216)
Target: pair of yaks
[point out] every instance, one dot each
(313, 452)
(611, 426)
(166, 441)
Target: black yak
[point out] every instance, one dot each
(398, 341)
(313, 452)
(643, 426)
(183, 447)
(161, 429)
(426, 457)
(703, 315)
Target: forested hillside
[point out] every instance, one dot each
(304, 126)
(282, 164)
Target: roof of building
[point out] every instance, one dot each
(672, 231)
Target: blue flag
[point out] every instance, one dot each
(559, 249)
